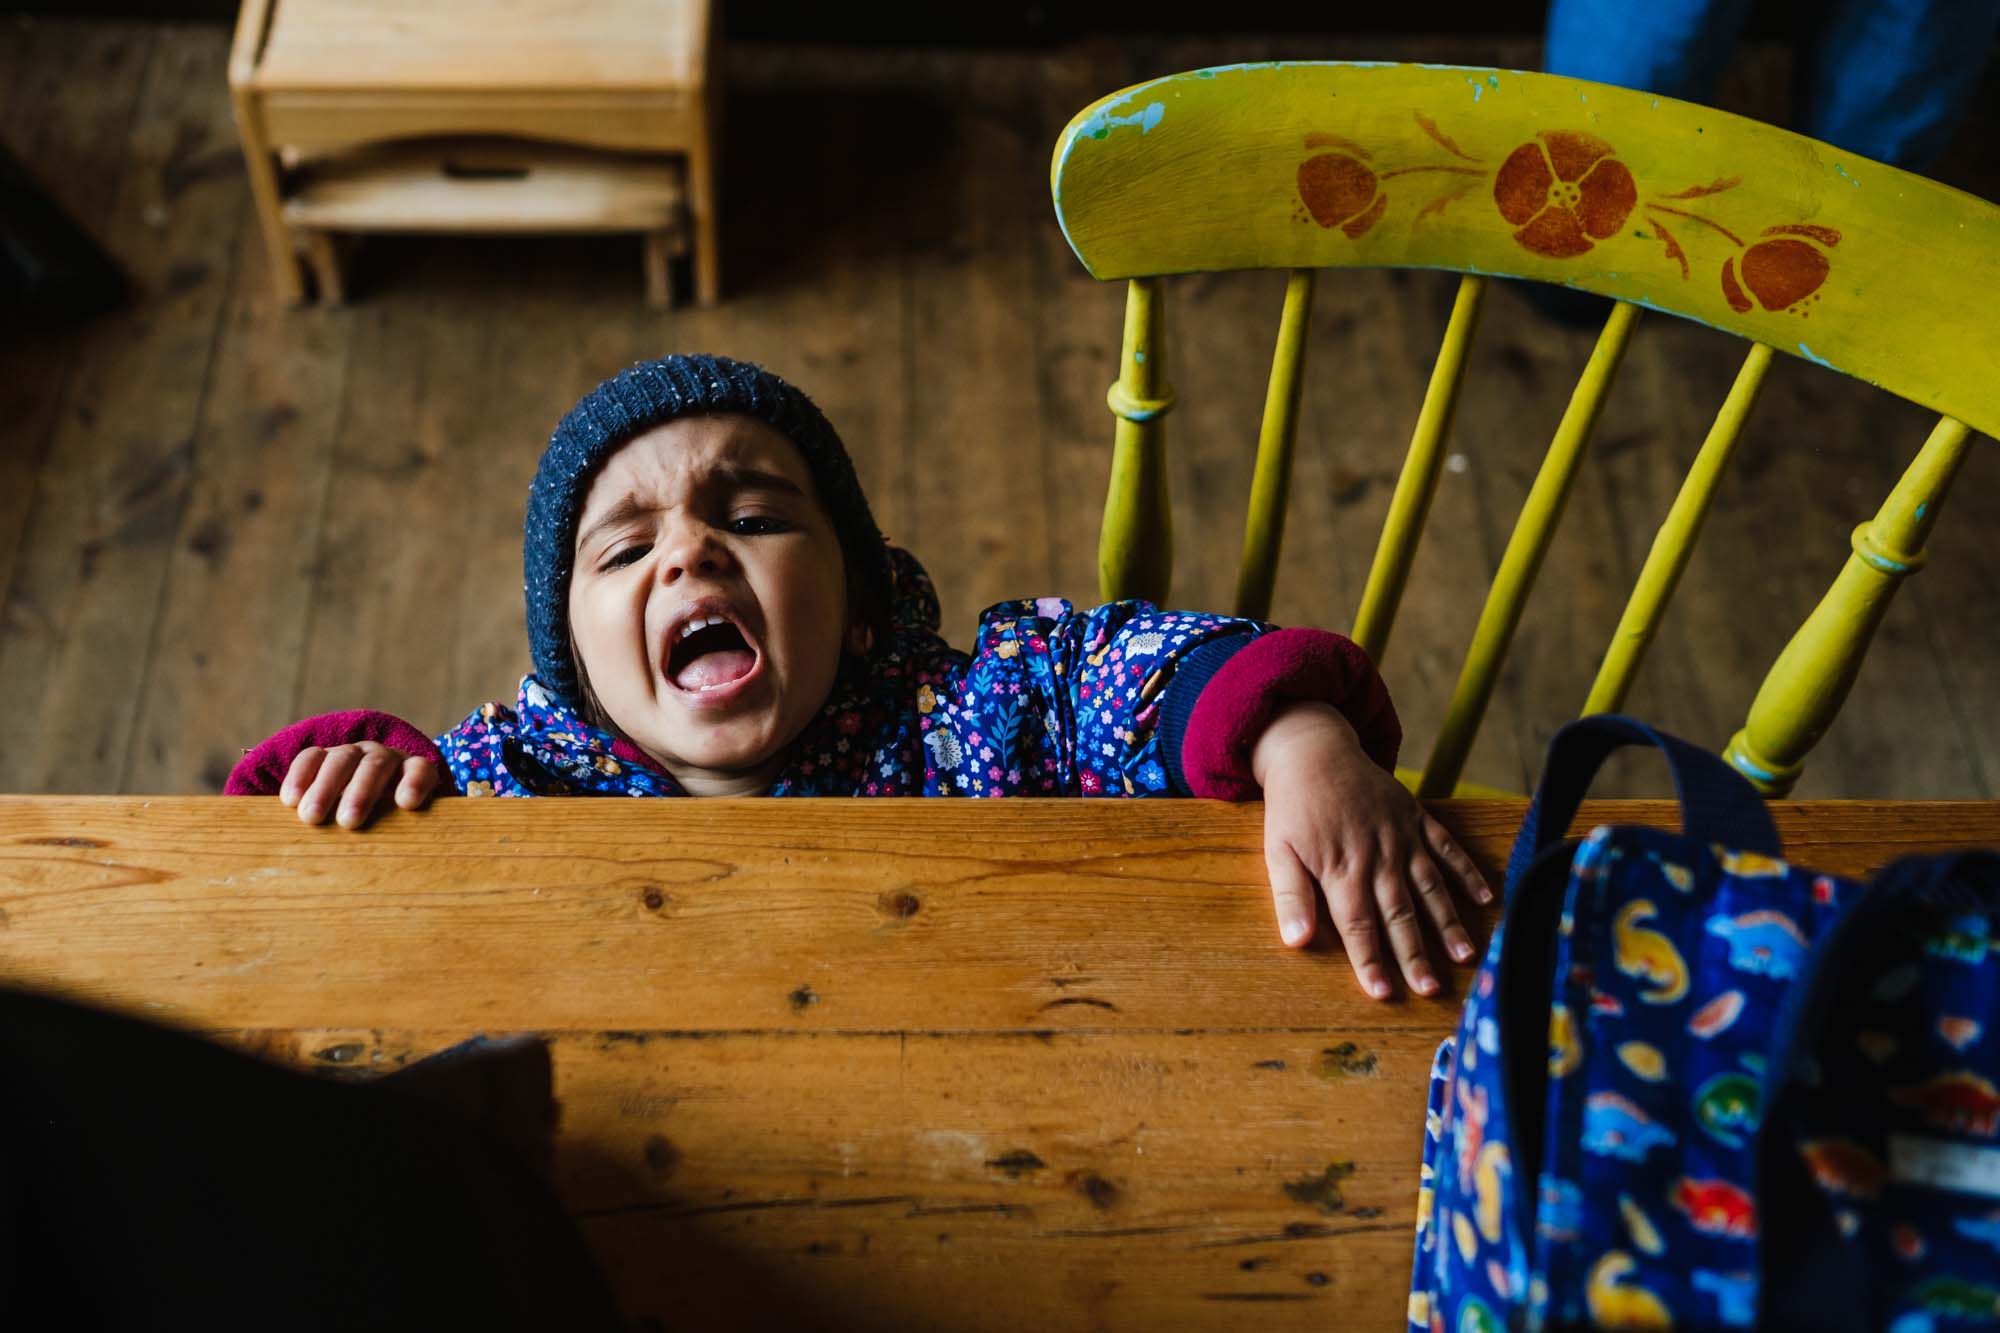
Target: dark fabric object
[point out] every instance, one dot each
(50, 268)
(633, 402)
(153, 1180)
(261, 771)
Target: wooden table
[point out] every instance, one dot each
(865, 1064)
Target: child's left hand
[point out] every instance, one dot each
(1336, 824)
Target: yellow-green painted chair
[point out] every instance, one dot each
(1655, 203)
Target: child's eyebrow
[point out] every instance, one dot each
(753, 479)
(627, 509)
(730, 476)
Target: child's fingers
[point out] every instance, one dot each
(1453, 858)
(1406, 934)
(305, 766)
(1438, 906)
(334, 770)
(1292, 893)
(420, 777)
(1354, 916)
(368, 785)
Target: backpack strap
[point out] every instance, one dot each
(1718, 804)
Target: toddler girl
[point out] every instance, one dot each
(712, 612)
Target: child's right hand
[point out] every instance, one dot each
(1338, 826)
(355, 778)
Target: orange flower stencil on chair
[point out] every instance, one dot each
(1340, 189)
(1784, 271)
(1564, 193)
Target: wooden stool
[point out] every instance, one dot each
(360, 115)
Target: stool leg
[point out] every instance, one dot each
(702, 201)
(262, 167)
(659, 270)
(325, 259)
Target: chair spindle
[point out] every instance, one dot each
(1522, 560)
(1271, 484)
(1809, 681)
(1417, 483)
(1674, 543)
(1135, 550)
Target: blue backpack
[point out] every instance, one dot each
(1696, 1087)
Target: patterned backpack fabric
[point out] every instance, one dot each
(1696, 1087)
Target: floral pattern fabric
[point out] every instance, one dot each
(1051, 701)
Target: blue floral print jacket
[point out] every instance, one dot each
(1051, 701)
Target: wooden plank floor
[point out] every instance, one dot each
(217, 515)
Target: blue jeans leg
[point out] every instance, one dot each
(1889, 79)
(1676, 48)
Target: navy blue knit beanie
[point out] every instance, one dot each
(633, 402)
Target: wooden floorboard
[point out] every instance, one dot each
(35, 362)
(86, 588)
(981, 502)
(410, 467)
(544, 351)
(216, 514)
(816, 271)
(71, 93)
(232, 627)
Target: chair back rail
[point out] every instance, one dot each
(1135, 544)
(1410, 505)
(1806, 685)
(1851, 264)
(1270, 483)
(1522, 559)
(1674, 542)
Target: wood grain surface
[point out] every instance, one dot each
(478, 44)
(859, 1064)
(82, 615)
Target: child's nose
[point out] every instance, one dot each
(693, 552)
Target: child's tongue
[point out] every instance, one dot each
(716, 668)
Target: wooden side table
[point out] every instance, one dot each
(313, 80)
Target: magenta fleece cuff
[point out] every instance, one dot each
(1272, 670)
(260, 772)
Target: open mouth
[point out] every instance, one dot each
(709, 653)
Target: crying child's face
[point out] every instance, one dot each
(708, 602)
